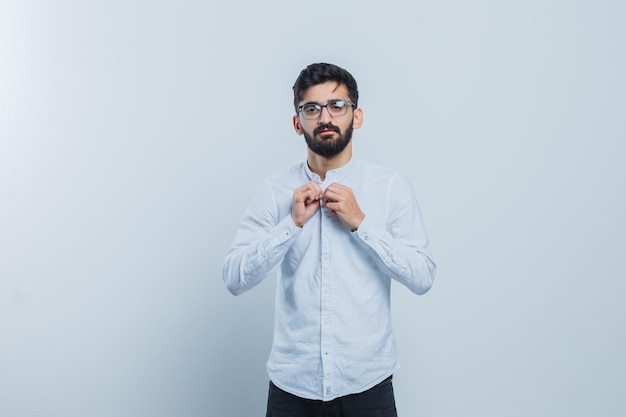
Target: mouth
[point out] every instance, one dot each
(326, 130)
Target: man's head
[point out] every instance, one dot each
(325, 100)
(320, 73)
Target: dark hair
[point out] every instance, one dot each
(316, 74)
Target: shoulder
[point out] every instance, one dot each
(293, 171)
(374, 170)
(288, 178)
(275, 190)
(385, 179)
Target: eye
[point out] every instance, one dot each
(337, 105)
(310, 109)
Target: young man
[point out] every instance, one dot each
(339, 230)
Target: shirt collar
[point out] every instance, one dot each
(333, 174)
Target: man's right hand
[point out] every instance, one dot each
(306, 201)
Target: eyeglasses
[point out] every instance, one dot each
(336, 108)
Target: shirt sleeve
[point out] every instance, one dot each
(399, 244)
(260, 243)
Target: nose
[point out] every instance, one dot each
(325, 116)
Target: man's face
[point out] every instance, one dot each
(326, 135)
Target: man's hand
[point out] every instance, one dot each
(306, 201)
(340, 200)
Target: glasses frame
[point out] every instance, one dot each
(325, 106)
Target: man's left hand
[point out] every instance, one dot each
(340, 200)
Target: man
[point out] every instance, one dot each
(339, 229)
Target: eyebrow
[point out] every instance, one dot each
(331, 100)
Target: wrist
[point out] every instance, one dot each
(296, 223)
(355, 226)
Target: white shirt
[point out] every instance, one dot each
(332, 334)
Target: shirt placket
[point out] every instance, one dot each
(327, 307)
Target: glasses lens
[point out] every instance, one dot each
(311, 111)
(337, 107)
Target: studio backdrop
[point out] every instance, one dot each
(133, 134)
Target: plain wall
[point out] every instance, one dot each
(133, 134)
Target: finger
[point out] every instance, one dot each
(307, 192)
(331, 192)
(313, 188)
(316, 189)
(338, 188)
(312, 195)
(331, 196)
(331, 207)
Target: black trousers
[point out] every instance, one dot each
(377, 401)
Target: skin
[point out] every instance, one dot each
(338, 199)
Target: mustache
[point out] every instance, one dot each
(328, 126)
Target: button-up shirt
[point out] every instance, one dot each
(333, 333)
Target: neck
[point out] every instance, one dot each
(321, 164)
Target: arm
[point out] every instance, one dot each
(263, 239)
(407, 263)
(399, 244)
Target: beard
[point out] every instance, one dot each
(325, 145)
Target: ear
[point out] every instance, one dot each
(358, 118)
(296, 125)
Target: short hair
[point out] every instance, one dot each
(320, 73)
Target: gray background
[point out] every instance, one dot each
(133, 134)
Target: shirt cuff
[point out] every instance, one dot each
(365, 230)
(286, 230)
